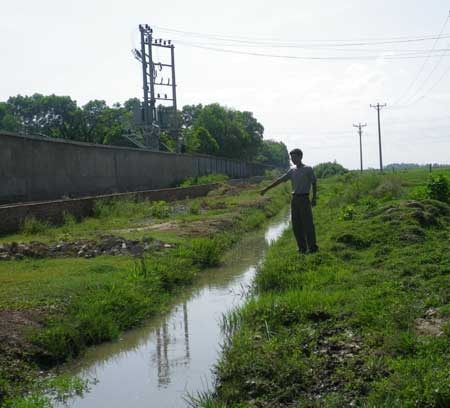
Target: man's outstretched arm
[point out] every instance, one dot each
(279, 180)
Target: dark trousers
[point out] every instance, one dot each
(302, 223)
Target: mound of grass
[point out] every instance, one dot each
(364, 322)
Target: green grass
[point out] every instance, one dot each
(77, 302)
(342, 327)
(206, 179)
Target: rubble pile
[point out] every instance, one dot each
(108, 245)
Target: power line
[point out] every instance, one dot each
(424, 62)
(336, 48)
(300, 57)
(411, 100)
(324, 47)
(435, 84)
(278, 42)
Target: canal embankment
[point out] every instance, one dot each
(53, 307)
(363, 322)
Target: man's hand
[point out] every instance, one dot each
(313, 201)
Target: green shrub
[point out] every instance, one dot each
(329, 169)
(438, 188)
(419, 193)
(159, 209)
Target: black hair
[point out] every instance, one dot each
(297, 152)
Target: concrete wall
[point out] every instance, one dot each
(12, 216)
(34, 169)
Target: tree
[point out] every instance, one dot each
(274, 153)
(104, 125)
(210, 129)
(201, 141)
(238, 134)
(8, 121)
(253, 131)
(189, 114)
(55, 116)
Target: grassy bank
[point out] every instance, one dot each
(364, 322)
(51, 309)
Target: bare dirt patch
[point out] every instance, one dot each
(14, 325)
(431, 324)
(185, 228)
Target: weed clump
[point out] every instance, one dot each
(113, 207)
(207, 179)
(32, 225)
(204, 252)
(254, 219)
(159, 209)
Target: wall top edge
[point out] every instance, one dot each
(121, 148)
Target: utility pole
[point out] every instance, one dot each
(378, 107)
(360, 126)
(155, 119)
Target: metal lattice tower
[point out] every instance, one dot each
(159, 85)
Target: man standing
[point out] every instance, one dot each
(302, 178)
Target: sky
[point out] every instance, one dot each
(325, 62)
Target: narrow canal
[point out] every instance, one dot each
(156, 366)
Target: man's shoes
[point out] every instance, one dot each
(312, 250)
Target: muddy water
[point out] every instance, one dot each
(158, 365)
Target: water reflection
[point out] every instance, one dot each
(155, 366)
(173, 341)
